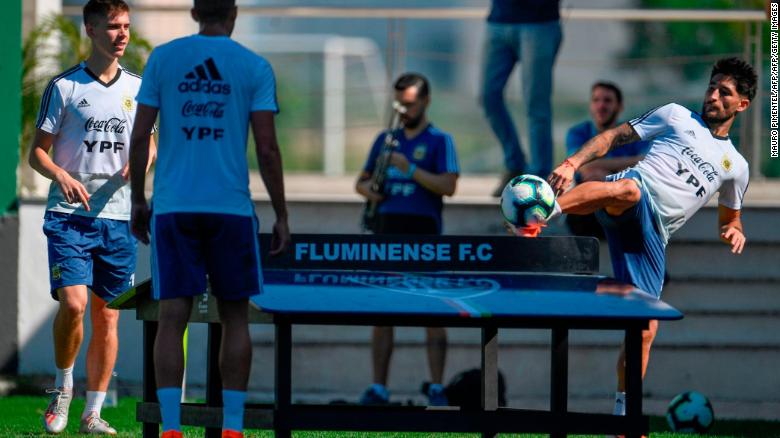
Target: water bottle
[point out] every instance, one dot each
(112, 398)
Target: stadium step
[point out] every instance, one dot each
(724, 297)
(724, 375)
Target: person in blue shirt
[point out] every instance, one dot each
(209, 91)
(528, 33)
(422, 170)
(606, 104)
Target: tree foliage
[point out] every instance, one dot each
(689, 41)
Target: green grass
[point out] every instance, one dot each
(20, 416)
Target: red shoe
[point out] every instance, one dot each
(228, 433)
(172, 434)
(531, 230)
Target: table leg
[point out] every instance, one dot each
(213, 377)
(633, 343)
(150, 383)
(489, 373)
(283, 386)
(559, 374)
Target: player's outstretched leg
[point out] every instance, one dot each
(613, 196)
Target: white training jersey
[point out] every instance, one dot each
(205, 87)
(686, 164)
(91, 121)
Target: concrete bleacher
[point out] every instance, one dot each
(726, 347)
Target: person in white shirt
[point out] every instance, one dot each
(86, 116)
(690, 159)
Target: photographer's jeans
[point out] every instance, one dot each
(535, 47)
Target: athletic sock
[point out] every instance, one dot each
(170, 408)
(95, 401)
(620, 404)
(64, 378)
(233, 410)
(555, 213)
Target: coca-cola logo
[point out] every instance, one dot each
(111, 125)
(203, 109)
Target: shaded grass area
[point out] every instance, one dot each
(20, 416)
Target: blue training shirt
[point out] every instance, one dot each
(432, 150)
(205, 87)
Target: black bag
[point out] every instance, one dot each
(465, 389)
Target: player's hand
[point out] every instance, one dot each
(73, 190)
(126, 171)
(399, 161)
(561, 177)
(139, 221)
(280, 238)
(364, 188)
(734, 237)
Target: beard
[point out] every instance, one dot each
(716, 118)
(610, 120)
(413, 123)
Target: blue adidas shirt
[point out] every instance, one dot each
(432, 150)
(205, 88)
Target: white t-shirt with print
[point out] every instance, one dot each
(91, 121)
(686, 165)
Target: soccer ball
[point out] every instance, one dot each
(527, 200)
(690, 412)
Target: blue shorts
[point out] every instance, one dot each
(636, 248)
(188, 247)
(96, 252)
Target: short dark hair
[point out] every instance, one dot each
(213, 11)
(407, 80)
(609, 86)
(103, 9)
(742, 73)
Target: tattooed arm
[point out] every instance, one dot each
(597, 147)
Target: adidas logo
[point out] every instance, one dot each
(204, 78)
(691, 133)
(83, 103)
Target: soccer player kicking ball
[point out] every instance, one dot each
(86, 116)
(690, 159)
(207, 89)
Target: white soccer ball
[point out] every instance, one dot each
(527, 200)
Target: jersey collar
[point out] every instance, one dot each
(706, 125)
(96, 78)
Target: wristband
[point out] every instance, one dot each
(410, 172)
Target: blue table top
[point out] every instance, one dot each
(456, 294)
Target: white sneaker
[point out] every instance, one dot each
(96, 426)
(55, 419)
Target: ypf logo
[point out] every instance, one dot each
(204, 78)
